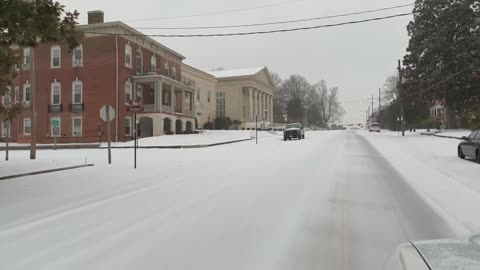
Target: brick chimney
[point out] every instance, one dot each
(95, 16)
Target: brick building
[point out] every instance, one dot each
(113, 65)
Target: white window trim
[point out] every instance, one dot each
(174, 71)
(25, 133)
(59, 127)
(139, 56)
(73, 126)
(81, 91)
(130, 92)
(128, 48)
(3, 129)
(26, 65)
(25, 86)
(59, 56)
(153, 63)
(131, 126)
(17, 94)
(81, 58)
(59, 93)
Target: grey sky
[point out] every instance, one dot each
(356, 58)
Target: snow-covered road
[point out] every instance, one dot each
(327, 202)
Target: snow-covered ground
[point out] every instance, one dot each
(327, 202)
(430, 165)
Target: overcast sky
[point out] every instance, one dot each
(356, 58)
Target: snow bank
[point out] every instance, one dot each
(430, 165)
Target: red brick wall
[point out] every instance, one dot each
(98, 77)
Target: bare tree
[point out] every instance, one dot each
(390, 89)
(330, 109)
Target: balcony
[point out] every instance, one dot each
(149, 108)
(55, 109)
(76, 108)
(165, 73)
(189, 113)
(166, 108)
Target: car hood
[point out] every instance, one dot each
(451, 254)
(290, 129)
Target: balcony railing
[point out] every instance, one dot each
(189, 113)
(166, 73)
(76, 108)
(55, 108)
(166, 108)
(149, 108)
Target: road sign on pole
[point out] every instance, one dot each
(103, 113)
(107, 113)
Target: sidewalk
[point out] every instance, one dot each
(451, 186)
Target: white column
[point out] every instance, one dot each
(267, 105)
(271, 109)
(183, 102)
(255, 106)
(250, 103)
(264, 103)
(172, 98)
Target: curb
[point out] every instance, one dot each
(51, 147)
(45, 171)
(441, 136)
(178, 146)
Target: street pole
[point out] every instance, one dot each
(108, 136)
(33, 115)
(402, 113)
(380, 107)
(256, 129)
(99, 134)
(8, 140)
(372, 108)
(135, 141)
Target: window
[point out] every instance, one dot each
(166, 99)
(188, 101)
(139, 63)
(128, 55)
(166, 69)
(174, 72)
(139, 93)
(198, 94)
(128, 92)
(4, 129)
(76, 126)
(472, 135)
(209, 96)
(55, 57)
(17, 94)
(55, 126)
(27, 126)
(128, 126)
(27, 93)
(221, 104)
(55, 93)
(27, 58)
(153, 63)
(77, 89)
(78, 56)
(6, 97)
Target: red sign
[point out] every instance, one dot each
(135, 108)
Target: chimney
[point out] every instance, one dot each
(95, 16)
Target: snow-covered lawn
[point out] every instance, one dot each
(430, 164)
(205, 137)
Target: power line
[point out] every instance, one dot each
(278, 22)
(258, 32)
(216, 12)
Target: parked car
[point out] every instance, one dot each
(437, 255)
(294, 130)
(374, 127)
(470, 146)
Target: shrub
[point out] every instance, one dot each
(169, 132)
(431, 122)
(208, 125)
(223, 123)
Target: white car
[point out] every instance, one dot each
(374, 127)
(445, 254)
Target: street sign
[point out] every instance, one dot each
(103, 113)
(135, 108)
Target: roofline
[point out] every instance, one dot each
(265, 68)
(204, 73)
(129, 28)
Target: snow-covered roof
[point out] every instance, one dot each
(236, 72)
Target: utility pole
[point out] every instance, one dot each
(33, 113)
(402, 114)
(380, 107)
(368, 114)
(366, 119)
(372, 108)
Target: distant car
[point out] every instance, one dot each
(437, 255)
(294, 130)
(470, 146)
(374, 127)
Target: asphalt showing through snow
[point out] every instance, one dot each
(327, 202)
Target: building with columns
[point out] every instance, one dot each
(245, 94)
